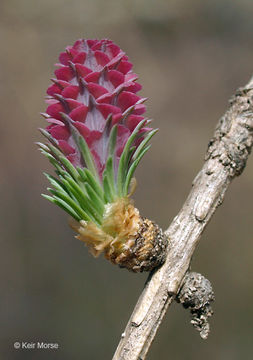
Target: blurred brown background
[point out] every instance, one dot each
(190, 55)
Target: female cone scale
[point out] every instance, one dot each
(97, 135)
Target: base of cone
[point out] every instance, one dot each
(148, 250)
(125, 238)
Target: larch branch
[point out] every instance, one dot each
(226, 158)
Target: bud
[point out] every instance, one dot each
(97, 135)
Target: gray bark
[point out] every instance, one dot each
(225, 159)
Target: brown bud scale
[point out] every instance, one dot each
(126, 238)
(145, 251)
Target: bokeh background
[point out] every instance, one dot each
(190, 55)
